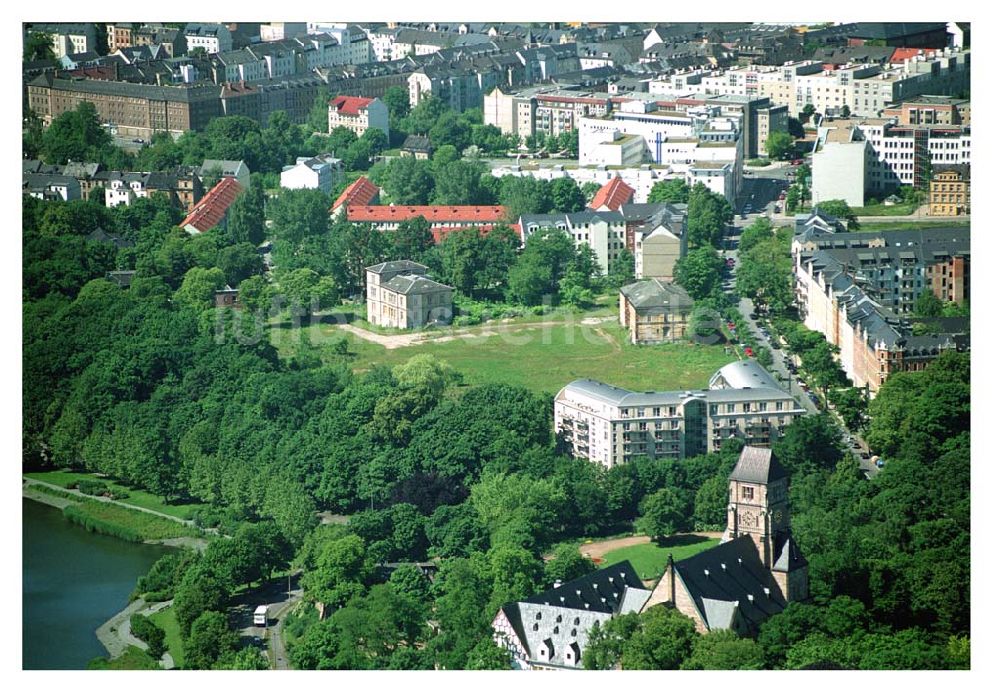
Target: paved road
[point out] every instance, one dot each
(782, 373)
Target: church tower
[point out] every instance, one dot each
(758, 508)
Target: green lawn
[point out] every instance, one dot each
(132, 659)
(650, 559)
(898, 209)
(121, 522)
(542, 358)
(136, 496)
(167, 621)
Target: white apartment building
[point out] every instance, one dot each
(214, 38)
(68, 39)
(602, 231)
(319, 172)
(610, 425)
(943, 73)
(858, 156)
(641, 177)
(124, 189)
(358, 114)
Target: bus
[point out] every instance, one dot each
(260, 616)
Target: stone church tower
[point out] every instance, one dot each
(758, 508)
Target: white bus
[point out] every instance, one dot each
(260, 616)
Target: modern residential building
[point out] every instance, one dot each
(400, 295)
(212, 38)
(358, 114)
(931, 110)
(950, 191)
(317, 172)
(654, 311)
(213, 209)
(610, 425)
(542, 109)
(857, 156)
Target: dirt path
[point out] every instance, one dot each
(28, 482)
(38, 496)
(602, 548)
(470, 333)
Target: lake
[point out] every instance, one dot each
(73, 582)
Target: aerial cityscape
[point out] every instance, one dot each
(496, 346)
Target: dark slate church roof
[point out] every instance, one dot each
(730, 579)
(757, 465)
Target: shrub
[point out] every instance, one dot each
(90, 486)
(467, 320)
(146, 630)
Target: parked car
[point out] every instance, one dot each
(753, 316)
(880, 464)
(797, 161)
(748, 351)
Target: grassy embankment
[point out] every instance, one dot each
(542, 358)
(120, 522)
(880, 210)
(140, 498)
(167, 621)
(132, 659)
(650, 559)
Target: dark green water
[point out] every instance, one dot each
(74, 581)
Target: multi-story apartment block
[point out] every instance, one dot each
(654, 311)
(172, 40)
(212, 38)
(68, 39)
(858, 156)
(950, 191)
(610, 425)
(358, 114)
(278, 31)
(857, 289)
(944, 73)
(119, 35)
(656, 234)
(931, 110)
(400, 295)
(602, 231)
(131, 109)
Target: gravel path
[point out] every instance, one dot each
(28, 482)
(602, 548)
(38, 496)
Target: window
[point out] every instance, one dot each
(748, 492)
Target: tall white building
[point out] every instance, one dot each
(610, 425)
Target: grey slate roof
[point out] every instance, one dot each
(415, 284)
(758, 465)
(746, 373)
(733, 586)
(558, 618)
(620, 397)
(415, 142)
(395, 267)
(656, 294)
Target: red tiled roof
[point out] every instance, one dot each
(612, 195)
(212, 208)
(439, 233)
(360, 192)
(901, 55)
(350, 105)
(433, 214)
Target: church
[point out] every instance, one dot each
(752, 574)
(756, 570)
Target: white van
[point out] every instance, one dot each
(260, 616)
